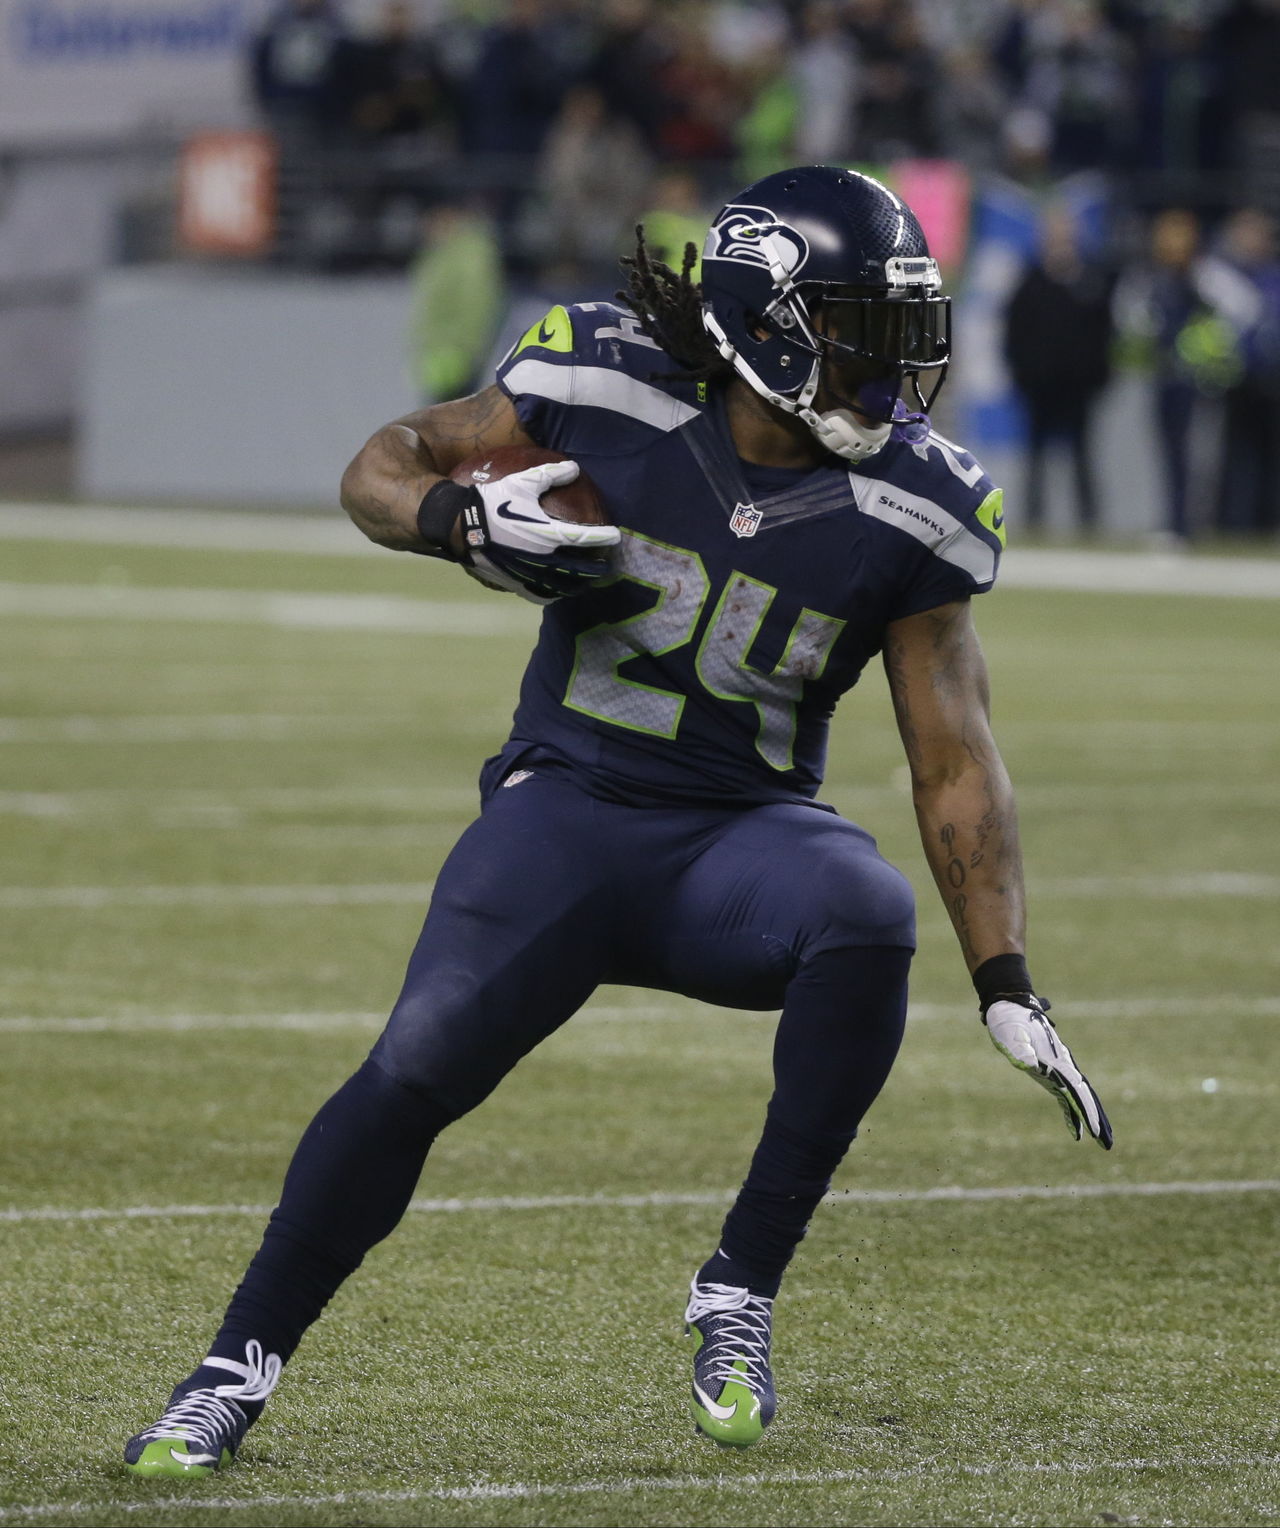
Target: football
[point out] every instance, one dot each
(578, 502)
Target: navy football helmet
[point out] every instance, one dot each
(822, 276)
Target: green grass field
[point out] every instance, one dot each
(218, 837)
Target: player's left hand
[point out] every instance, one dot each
(1023, 1032)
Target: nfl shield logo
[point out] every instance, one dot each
(745, 520)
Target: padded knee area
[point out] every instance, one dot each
(858, 900)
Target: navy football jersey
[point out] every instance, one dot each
(745, 600)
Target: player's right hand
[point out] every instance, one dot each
(1024, 1034)
(511, 542)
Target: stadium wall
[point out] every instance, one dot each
(257, 388)
(236, 387)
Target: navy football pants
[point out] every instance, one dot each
(545, 896)
(552, 892)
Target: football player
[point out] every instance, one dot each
(784, 512)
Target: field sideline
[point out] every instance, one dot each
(229, 771)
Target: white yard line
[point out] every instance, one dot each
(377, 894)
(1118, 572)
(952, 1193)
(186, 726)
(936, 1466)
(410, 801)
(217, 1023)
(262, 726)
(268, 607)
(1222, 1004)
(188, 1023)
(200, 530)
(24, 898)
(1210, 883)
(1112, 571)
(1124, 732)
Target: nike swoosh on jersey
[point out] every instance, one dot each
(545, 334)
(721, 1413)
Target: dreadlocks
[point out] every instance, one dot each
(669, 309)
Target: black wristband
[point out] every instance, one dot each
(1001, 976)
(438, 513)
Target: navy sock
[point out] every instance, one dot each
(840, 1030)
(789, 1175)
(350, 1181)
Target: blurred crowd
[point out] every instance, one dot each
(481, 142)
(585, 98)
(1199, 313)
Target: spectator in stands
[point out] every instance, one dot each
(519, 80)
(826, 75)
(1057, 341)
(1249, 37)
(972, 109)
(899, 82)
(702, 101)
(1026, 138)
(1249, 493)
(675, 218)
(592, 178)
(1181, 104)
(766, 128)
(523, 68)
(295, 66)
(1077, 75)
(631, 53)
(1174, 304)
(457, 300)
(391, 81)
(1013, 46)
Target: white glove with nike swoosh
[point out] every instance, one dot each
(511, 542)
(1022, 1031)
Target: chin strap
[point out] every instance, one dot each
(840, 432)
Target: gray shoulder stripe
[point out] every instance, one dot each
(600, 388)
(932, 526)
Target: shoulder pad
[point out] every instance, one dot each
(595, 355)
(940, 496)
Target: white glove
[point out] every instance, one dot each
(1022, 1032)
(513, 544)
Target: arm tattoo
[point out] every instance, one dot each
(385, 484)
(958, 905)
(963, 800)
(460, 429)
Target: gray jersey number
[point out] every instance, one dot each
(595, 686)
(724, 671)
(680, 579)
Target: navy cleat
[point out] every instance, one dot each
(204, 1425)
(733, 1394)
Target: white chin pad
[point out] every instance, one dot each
(840, 431)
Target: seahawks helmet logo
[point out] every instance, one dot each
(753, 236)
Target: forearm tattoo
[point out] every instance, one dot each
(964, 802)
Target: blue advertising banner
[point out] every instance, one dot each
(84, 69)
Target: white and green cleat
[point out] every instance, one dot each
(204, 1425)
(733, 1395)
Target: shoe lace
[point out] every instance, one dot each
(741, 1334)
(259, 1374)
(207, 1414)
